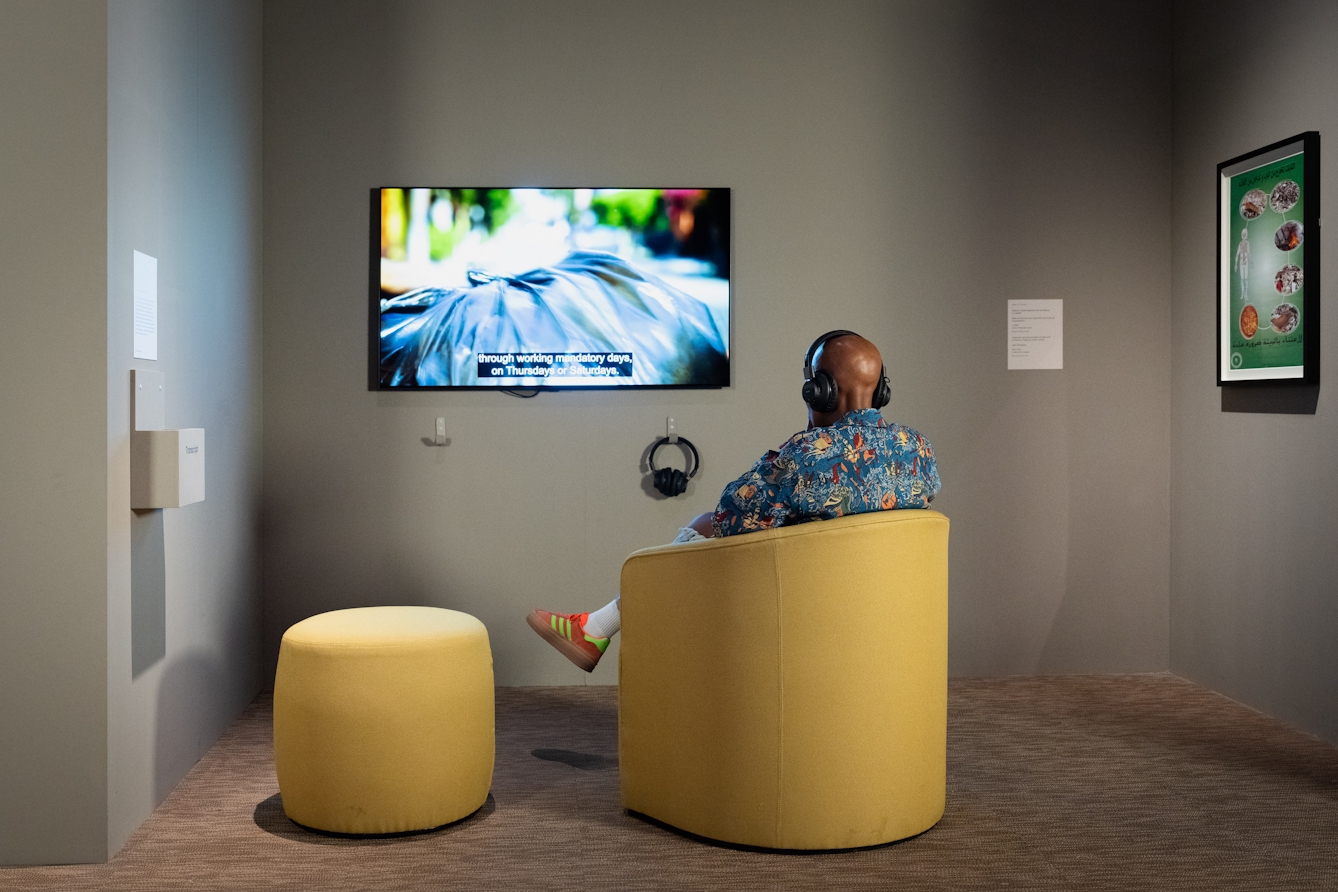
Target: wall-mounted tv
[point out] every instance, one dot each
(549, 288)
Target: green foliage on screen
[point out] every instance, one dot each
(631, 208)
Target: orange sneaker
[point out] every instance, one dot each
(566, 632)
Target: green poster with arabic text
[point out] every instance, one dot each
(1266, 321)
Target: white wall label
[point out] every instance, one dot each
(146, 306)
(1035, 334)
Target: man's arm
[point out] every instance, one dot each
(754, 501)
(928, 468)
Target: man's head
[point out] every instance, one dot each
(856, 366)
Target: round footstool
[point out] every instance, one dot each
(383, 719)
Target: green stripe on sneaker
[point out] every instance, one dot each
(553, 621)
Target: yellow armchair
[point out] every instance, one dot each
(789, 689)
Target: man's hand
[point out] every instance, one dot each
(702, 524)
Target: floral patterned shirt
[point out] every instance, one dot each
(860, 463)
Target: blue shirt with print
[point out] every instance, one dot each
(860, 463)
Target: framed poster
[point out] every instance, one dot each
(1268, 264)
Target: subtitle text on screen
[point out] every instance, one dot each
(554, 365)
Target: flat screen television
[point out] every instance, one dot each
(549, 288)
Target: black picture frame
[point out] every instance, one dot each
(1298, 307)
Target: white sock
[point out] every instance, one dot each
(687, 534)
(604, 622)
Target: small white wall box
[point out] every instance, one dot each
(166, 466)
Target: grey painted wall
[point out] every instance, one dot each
(1254, 607)
(902, 169)
(124, 125)
(53, 187)
(183, 164)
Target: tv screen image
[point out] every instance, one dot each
(521, 288)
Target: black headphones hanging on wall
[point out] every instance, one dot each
(671, 481)
(820, 389)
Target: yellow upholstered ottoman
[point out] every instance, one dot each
(383, 719)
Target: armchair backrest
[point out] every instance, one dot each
(788, 688)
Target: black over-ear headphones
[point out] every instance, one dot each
(820, 387)
(672, 481)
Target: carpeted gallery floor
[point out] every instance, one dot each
(1076, 782)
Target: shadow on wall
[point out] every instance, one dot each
(148, 590)
(185, 721)
(391, 580)
(306, 568)
(1275, 399)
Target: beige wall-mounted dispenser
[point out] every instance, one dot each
(166, 466)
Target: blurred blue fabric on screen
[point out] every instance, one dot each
(590, 301)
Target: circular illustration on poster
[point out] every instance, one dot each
(1249, 321)
(1236, 360)
(1285, 318)
(1253, 203)
(1288, 279)
(1285, 195)
(1289, 236)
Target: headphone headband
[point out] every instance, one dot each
(822, 339)
(696, 459)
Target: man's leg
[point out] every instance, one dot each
(606, 621)
(583, 637)
(702, 524)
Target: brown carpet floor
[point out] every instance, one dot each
(1079, 782)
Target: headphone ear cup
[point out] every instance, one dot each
(882, 394)
(670, 482)
(813, 392)
(826, 391)
(819, 392)
(680, 482)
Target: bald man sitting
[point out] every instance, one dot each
(847, 461)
